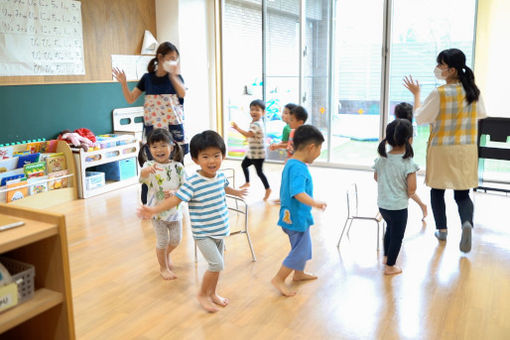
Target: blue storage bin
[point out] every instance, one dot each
(118, 170)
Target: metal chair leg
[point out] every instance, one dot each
(378, 226)
(349, 228)
(342, 234)
(196, 256)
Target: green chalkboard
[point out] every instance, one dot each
(42, 111)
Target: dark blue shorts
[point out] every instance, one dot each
(301, 251)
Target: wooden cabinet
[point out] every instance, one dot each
(42, 242)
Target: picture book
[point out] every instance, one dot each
(56, 162)
(27, 159)
(34, 169)
(6, 152)
(13, 192)
(37, 185)
(55, 182)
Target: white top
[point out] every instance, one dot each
(256, 147)
(207, 205)
(169, 178)
(428, 112)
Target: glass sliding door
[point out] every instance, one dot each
(416, 40)
(282, 34)
(316, 56)
(355, 115)
(242, 67)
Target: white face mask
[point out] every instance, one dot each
(437, 73)
(167, 65)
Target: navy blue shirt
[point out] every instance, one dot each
(152, 84)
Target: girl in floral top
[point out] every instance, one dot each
(163, 176)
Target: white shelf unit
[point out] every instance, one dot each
(85, 160)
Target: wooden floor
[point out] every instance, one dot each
(442, 294)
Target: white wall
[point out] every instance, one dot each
(189, 24)
(492, 68)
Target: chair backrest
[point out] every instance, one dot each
(352, 200)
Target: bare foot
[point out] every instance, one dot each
(385, 259)
(219, 300)
(207, 304)
(277, 201)
(268, 193)
(245, 185)
(424, 210)
(392, 270)
(302, 276)
(167, 274)
(280, 285)
(170, 264)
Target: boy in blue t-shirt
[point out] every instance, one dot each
(296, 196)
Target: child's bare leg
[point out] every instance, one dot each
(268, 193)
(166, 273)
(208, 282)
(219, 300)
(279, 281)
(422, 205)
(169, 249)
(392, 270)
(300, 275)
(385, 259)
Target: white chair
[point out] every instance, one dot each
(243, 211)
(353, 214)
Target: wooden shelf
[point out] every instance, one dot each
(41, 242)
(43, 300)
(85, 160)
(26, 234)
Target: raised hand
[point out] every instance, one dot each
(412, 85)
(119, 75)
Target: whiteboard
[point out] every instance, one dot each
(134, 66)
(41, 37)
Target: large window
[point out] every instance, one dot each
(327, 56)
(416, 40)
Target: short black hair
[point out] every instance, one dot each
(204, 140)
(300, 113)
(259, 103)
(290, 106)
(404, 111)
(305, 135)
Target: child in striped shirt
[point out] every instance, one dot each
(256, 153)
(205, 191)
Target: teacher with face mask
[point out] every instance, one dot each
(452, 110)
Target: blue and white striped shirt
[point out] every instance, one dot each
(207, 205)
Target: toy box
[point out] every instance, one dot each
(94, 179)
(118, 170)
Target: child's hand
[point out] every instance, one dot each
(241, 192)
(169, 193)
(273, 146)
(234, 125)
(145, 212)
(320, 205)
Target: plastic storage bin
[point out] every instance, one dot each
(118, 170)
(23, 274)
(94, 179)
